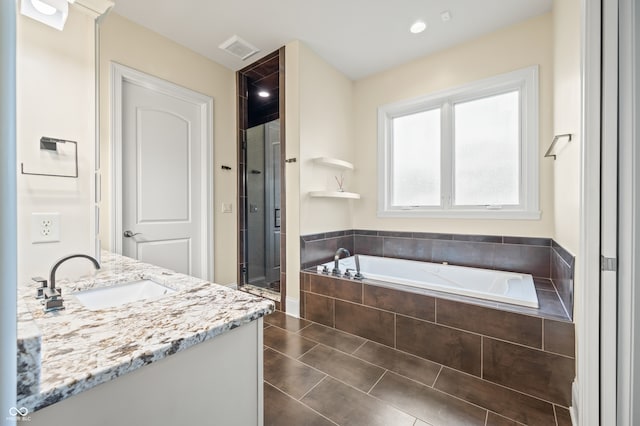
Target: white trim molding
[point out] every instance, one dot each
(8, 214)
(586, 397)
(119, 75)
(293, 307)
(628, 407)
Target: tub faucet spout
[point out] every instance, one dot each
(336, 260)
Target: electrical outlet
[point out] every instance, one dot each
(45, 227)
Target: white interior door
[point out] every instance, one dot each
(161, 180)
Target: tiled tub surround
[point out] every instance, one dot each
(518, 363)
(540, 257)
(346, 380)
(82, 349)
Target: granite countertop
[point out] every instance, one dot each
(66, 352)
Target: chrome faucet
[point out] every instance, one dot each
(53, 296)
(336, 260)
(358, 275)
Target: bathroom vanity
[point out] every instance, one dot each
(192, 356)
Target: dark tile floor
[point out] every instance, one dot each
(316, 375)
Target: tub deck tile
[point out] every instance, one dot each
(410, 304)
(513, 327)
(444, 345)
(344, 289)
(559, 337)
(541, 374)
(370, 323)
(319, 308)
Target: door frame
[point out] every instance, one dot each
(628, 411)
(121, 74)
(242, 117)
(585, 408)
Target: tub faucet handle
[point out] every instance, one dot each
(347, 273)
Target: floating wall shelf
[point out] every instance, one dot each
(334, 194)
(334, 162)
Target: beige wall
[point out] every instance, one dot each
(292, 172)
(127, 43)
(55, 97)
(326, 130)
(509, 49)
(566, 119)
(319, 123)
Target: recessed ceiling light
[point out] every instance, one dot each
(50, 12)
(263, 94)
(445, 16)
(418, 27)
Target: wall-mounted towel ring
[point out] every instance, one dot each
(51, 144)
(551, 152)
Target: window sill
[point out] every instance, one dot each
(462, 214)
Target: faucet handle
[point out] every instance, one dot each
(43, 285)
(50, 293)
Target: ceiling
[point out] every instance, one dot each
(358, 37)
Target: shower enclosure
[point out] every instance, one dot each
(262, 177)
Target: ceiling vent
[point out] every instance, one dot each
(238, 47)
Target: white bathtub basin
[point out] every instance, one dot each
(497, 286)
(121, 294)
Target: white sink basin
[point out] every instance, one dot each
(121, 294)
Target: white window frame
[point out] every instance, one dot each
(526, 81)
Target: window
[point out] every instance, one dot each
(471, 151)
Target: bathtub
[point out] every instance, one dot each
(498, 286)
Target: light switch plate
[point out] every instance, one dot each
(45, 227)
(227, 208)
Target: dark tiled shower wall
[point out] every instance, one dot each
(540, 257)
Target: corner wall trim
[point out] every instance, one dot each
(293, 307)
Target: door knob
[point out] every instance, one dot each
(129, 234)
